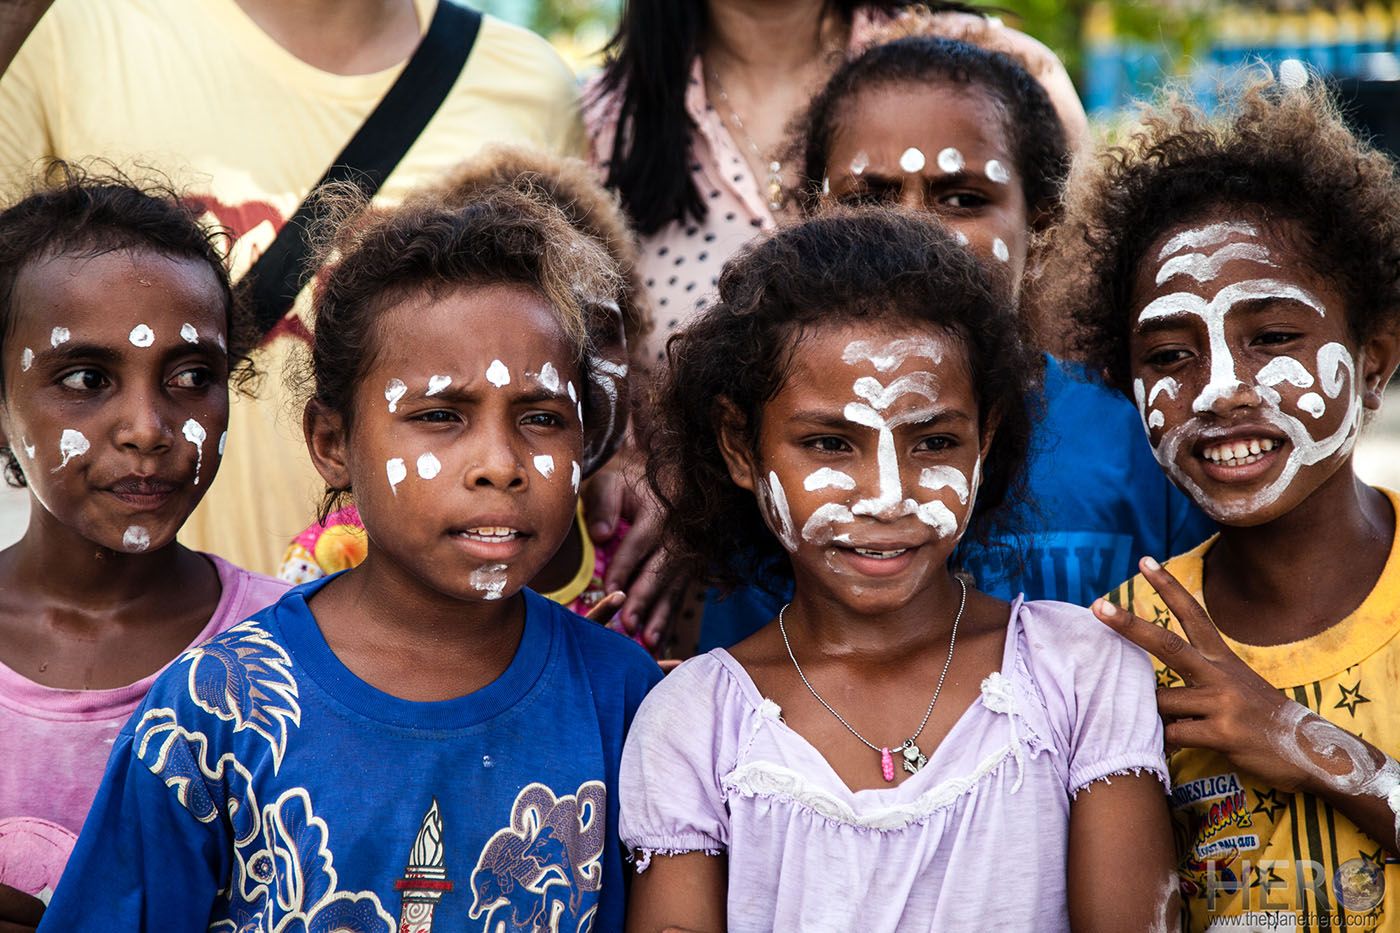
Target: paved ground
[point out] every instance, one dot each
(1377, 461)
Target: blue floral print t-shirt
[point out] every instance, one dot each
(263, 786)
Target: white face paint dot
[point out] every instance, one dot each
(577, 474)
(996, 172)
(912, 160)
(194, 433)
(71, 444)
(545, 464)
(951, 161)
(436, 384)
(58, 336)
(549, 377)
(136, 538)
(189, 334)
(26, 359)
(860, 163)
(961, 238)
(397, 472)
(394, 390)
(141, 336)
(497, 374)
(428, 466)
(1313, 404)
(1000, 251)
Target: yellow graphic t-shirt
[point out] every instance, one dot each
(1279, 860)
(198, 92)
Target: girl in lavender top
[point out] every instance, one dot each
(896, 750)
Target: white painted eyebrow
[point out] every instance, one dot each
(1204, 236)
(1187, 303)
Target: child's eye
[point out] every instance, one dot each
(963, 200)
(543, 419)
(828, 444)
(1167, 356)
(196, 377)
(937, 442)
(437, 416)
(1275, 338)
(84, 380)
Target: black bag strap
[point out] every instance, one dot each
(275, 279)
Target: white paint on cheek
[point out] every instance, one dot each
(1334, 364)
(489, 580)
(1283, 369)
(1156, 419)
(820, 524)
(59, 335)
(141, 336)
(1204, 236)
(1203, 267)
(397, 473)
(1166, 384)
(960, 238)
(219, 339)
(26, 359)
(892, 354)
(188, 333)
(1000, 251)
(951, 161)
(912, 160)
(577, 474)
(436, 384)
(827, 478)
(544, 463)
(223, 439)
(428, 465)
(945, 477)
(777, 503)
(136, 538)
(394, 390)
(195, 434)
(497, 374)
(549, 377)
(938, 517)
(1313, 404)
(71, 444)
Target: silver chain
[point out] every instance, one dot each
(776, 195)
(952, 642)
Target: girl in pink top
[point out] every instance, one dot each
(119, 337)
(896, 750)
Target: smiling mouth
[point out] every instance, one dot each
(879, 555)
(491, 534)
(1239, 452)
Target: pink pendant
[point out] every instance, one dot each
(886, 764)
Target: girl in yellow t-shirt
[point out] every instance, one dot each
(1237, 277)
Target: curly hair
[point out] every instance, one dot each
(1280, 153)
(874, 266)
(373, 257)
(572, 186)
(91, 210)
(1037, 137)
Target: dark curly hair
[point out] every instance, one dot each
(91, 210)
(888, 268)
(1274, 152)
(374, 257)
(1037, 137)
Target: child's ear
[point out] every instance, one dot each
(989, 433)
(730, 426)
(1379, 356)
(327, 443)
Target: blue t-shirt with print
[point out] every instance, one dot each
(262, 785)
(1098, 501)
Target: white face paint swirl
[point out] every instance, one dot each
(71, 444)
(1335, 367)
(141, 336)
(544, 463)
(437, 384)
(489, 580)
(195, 434)
(136, 539)
(428, 465)
(497, 374)
(397, 472)
(394, 390)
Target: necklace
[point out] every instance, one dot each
(777, 196)
(914, 759)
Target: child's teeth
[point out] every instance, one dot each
(1254, 447)
(865, 552)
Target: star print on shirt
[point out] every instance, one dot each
(1269, 881)
(1161, 616)
(1167, 678)
(1352, 697)
(1269, 804)
(1376, 858)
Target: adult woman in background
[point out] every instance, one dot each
(688, 122)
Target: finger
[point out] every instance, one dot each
(639, 546)
(664, 612)
(603, 610)
(1193, 618)
(1193, 733)
(647, 587)
(602, 505)
(1187, 702)
(1163, 644)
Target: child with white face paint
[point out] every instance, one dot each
(99, 392)
(465, 701)
(1254, 331)
(892, 725)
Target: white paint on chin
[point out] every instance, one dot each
(827, 478)
(136, 539)
(489, 580)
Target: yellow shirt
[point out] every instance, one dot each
(1262, 850)
(196, 90)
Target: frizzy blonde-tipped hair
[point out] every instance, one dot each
(1272, 152)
